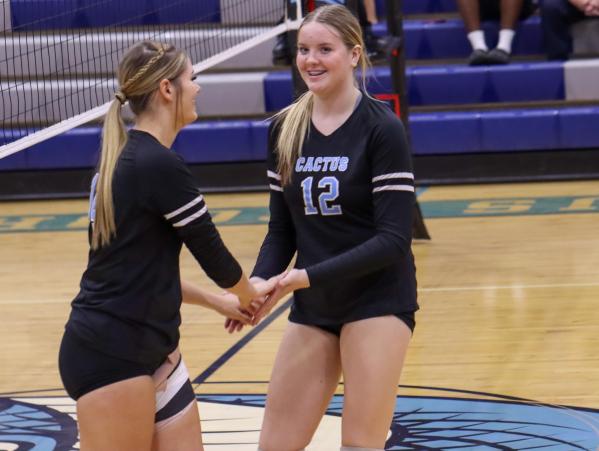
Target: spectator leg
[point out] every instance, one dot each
(470, 12)
(557, 16)
(510, 13)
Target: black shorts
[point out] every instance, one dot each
(408, 318)
(490, 9)
(84, 369)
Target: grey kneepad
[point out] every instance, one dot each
(354, 448)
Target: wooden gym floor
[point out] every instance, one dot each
(507, 334)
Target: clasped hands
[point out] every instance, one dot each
(267, 294)
(589, 7)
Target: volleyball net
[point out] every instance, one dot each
(58, 57)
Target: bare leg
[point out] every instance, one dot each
(304, 377)
(184, 434)
(372, 355)
(370, 7)
(470, 12)
(510, 13)
(118, 417)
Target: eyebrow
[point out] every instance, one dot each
(322, 43)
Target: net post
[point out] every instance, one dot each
(352, 5)
(295, 12)
(397, 63)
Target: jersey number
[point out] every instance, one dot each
(331, 186)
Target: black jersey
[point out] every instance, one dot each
(348, 213)
(130, 296)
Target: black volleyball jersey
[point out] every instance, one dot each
(130, 294)
(348, 213)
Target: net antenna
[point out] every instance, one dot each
(57, 66)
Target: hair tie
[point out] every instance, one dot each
(120, 97)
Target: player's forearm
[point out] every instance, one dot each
(193, 294)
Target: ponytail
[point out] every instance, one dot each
(114, 138)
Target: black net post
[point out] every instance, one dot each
(397, 63)
(299, 87)
(352, 5)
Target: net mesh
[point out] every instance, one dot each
(58, 57)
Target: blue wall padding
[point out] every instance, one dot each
(14, 162)
(431, 133)
(209, 142)
(30, 15)
(78, 148)
(579, 127)
(259, 130)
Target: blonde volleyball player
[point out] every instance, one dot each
(342, 195)
(119, 357)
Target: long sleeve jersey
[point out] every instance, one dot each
(347, 213)
(130, 295)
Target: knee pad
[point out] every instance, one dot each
(354, 448)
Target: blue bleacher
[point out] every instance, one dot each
(452, 84)
(440, 133)
(29, 15)
(420, 6)
(446, 38)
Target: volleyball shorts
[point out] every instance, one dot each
(84, 369)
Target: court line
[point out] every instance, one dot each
(229, 353)
(226, 356)
(420, 290)
(509, 287)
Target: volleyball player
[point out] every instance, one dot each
(119, 357)
(342, 195)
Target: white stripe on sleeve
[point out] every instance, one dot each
(187, 206)
(191, 217)
(273, 175)
(394, 175)
(409, 188)
(275, 187)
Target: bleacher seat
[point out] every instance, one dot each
(450, 84)
(446, 132)
(30, 15)
(446, 38)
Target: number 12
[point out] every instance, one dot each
(331, 184)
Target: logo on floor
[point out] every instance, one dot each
(232, 422)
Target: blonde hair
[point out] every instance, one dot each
(294, 120)
(139, 74)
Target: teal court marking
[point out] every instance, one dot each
(463, 208)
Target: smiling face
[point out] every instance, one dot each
(324, 61)
(188, 90)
